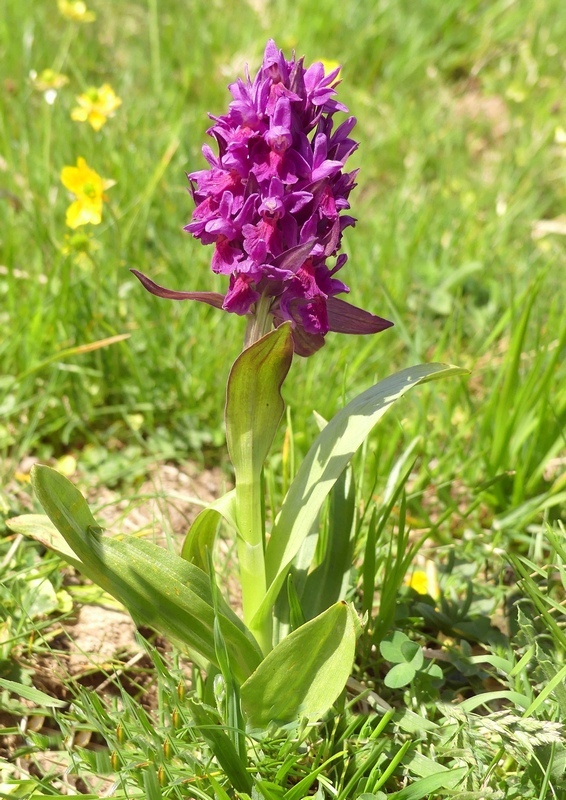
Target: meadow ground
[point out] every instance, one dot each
(460, 240)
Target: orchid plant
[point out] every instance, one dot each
(273, 204)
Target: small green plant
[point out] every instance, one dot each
(409, 663)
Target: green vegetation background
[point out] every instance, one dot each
(460, 240)
(462, 154)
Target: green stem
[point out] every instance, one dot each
(258, 323)
(251, 555)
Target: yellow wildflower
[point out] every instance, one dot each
(96, 105)
(49, 82)
(88, 188)
(48, 79)
(425, 581)
(329, 65)
(419, 581)
(76, 11)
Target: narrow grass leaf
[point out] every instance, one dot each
(298, 792)
(151, 783)
(557, 682)
(433, 783)
(221, 745)
(89, 347)
(31, 694)
(515, 698)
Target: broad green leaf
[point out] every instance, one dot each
(413, 654)
(391, 647)
(305, 673)
(412, 723)
(325, 462)
(254, 405)
(202, 533)
(434, 673)
(40, 528)
(399, 675)
(159, 588)
(38, 598)
(378, 796)
(422, 766)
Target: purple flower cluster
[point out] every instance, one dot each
(272, 201)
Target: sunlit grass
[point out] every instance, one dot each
(460, 241)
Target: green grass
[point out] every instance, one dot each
(458, 107)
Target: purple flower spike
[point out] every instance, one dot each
(271, 202)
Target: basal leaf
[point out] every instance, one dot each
(202, 533)
(159, 588)
(40, 528)
(305, 673)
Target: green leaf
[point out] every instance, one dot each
(325, 462)
(330, 580)
(38, 598)
(305, 673)
(221, 745)
(26, 791)
(296, 613)
(391, 647)
(413, 723)
(40, 528)
(400, 675)
(254, 405)
(435, 671)
(516, 698)
(202, 533)
(151, 783)
(413, 654)
(433, 783)
(159, 588)
(34, 695)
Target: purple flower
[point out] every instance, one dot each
(272, 202)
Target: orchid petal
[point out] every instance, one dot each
(211, 298)
(346, 318)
